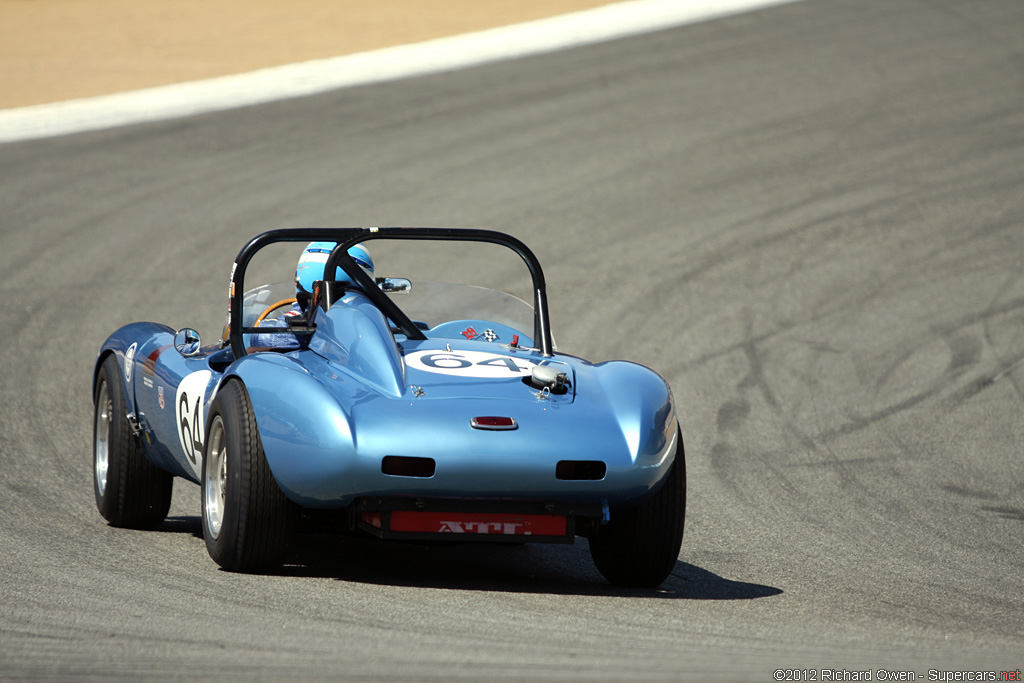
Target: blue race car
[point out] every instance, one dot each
(404, 409)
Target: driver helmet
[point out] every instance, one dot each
(313, 259)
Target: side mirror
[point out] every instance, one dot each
(394, 285)
(187, 342)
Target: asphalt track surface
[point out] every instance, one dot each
(808, 218)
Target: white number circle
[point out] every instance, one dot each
(188, 412)
(469, 364)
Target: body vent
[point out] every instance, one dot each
(580, 470)
(405, 466)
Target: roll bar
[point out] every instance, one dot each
(339, 258)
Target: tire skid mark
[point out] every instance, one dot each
(1008, 365)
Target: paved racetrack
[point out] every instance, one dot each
(809, 219)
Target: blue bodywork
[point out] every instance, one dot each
(361, 390)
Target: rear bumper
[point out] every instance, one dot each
(475, 521)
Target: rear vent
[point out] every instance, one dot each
(580, 470)
(404, 466)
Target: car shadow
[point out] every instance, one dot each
(183, 524)
(525, 568)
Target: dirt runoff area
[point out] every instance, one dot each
(54, 50)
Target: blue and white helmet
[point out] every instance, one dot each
(314, 258)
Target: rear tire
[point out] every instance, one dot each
(247, 521)
(130, 491)
(639, 546)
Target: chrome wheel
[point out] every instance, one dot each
(101, 438)
(247, 520)
(130, 491)
(215, 485)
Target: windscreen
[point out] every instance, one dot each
(434, 303)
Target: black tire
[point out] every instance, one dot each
(130, 491)
(639, 546)
(247, 521)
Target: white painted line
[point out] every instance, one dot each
(597, 25)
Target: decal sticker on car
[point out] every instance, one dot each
(149, 365)
(190, 416)
(488, 334)
(129, 361)
(478, 523)
(470, 364)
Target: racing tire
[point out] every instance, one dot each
(639, 546)
(247, 520)
(130, 491)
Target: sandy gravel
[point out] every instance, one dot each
(53, 50)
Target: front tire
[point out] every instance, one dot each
(247, 521)
(130, 491)
(639, 546)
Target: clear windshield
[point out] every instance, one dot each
(273, 299)
(432, 303)
(435, 303)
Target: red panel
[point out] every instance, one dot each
(478, 523)
(493, 422)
